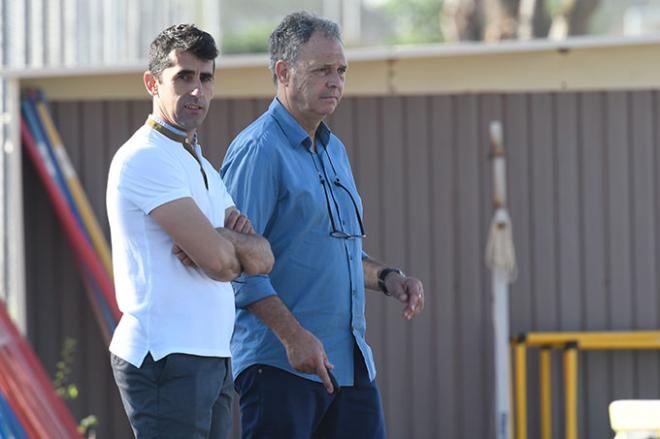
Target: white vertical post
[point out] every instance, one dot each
(16, 301)
(83, 27)
(500, 258)
(95, 39)
(3, 133)
(211, 19)
(17, 56)
(502, 378)
(36, 37)
(70, 33)
(352, 20)
(3, 22)
(110, 29)
(54, 40)
(4, 121)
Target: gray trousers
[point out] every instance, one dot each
(178, 396)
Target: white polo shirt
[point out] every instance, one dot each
(167, 307)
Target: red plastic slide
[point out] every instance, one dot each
(27, 388)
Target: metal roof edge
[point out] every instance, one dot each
(378, 53)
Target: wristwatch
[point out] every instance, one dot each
(383, 275)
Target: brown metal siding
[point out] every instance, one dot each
(583, 177)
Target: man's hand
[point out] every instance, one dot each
(253, 251)
(304, 351)
(234, 220)
(238, 222)
(183, 257)
(306, 354)
(198, 243)
(407, 290)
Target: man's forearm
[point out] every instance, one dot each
(253, 251)
(274, 314)
(371, 268)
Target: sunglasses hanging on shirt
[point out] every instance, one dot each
(336, 233)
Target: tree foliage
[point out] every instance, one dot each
(427, 21)
(488, 20)
(415, 21)
(494, 20)
(251, 39)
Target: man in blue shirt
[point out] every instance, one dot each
(303, 325)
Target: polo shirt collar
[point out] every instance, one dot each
(292, 129)
(170, 131)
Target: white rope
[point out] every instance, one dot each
(500, 252)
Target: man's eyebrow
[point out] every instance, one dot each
(326, 65)
(185, 72)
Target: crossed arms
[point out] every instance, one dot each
(223, 253)
(226, 252)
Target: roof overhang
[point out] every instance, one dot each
(577, 64)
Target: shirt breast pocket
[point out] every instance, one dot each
(309, 210)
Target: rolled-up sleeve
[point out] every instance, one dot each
(248, 172)
(250, 289)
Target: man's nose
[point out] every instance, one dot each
(197, 89)
(335, 80)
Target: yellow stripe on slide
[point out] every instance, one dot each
(86, 212)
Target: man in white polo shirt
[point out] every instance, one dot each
(170, 351)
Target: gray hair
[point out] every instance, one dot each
(293, 32)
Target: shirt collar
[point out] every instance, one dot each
(292, 129)
(172, 132)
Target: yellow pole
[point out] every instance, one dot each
(521, 390)
(570, 381)
(559, 339)
(512, 397)
(546, 392)
(619, 344)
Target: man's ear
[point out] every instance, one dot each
(150, 83)
(282, 71)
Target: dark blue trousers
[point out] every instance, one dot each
(277, 404)
(179, 396)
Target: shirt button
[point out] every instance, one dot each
(350, 258)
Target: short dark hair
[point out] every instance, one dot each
(293, 32)
(183, 37)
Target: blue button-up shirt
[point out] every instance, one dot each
(276, 179)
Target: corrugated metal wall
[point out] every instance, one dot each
(583, 189)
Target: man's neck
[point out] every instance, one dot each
(310, 126)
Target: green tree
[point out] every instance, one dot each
(252, 39)
(415, 21)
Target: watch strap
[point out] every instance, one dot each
(382, 275)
